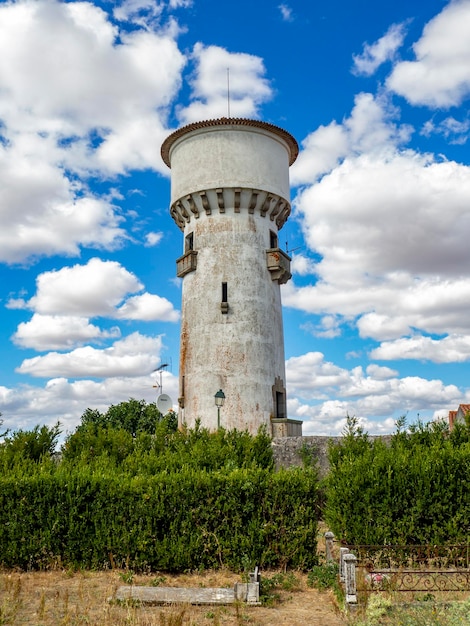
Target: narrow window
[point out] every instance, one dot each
(280, 405)
(224, 303)
(273, 243)
(189, 242)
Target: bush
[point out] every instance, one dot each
(174, 522)
(24, 446)
(413, 491)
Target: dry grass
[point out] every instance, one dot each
(60, 598)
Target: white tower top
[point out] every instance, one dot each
(230, 196)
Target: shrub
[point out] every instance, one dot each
(412, 491)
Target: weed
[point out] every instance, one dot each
(127, 577)
(280, 581)
(326, 576)
(42, 605)
(381, 611)
(323, 576)
(173, 619)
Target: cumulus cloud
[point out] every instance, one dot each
(153, 239)
(328, 327)
(369, 129)
(384, 49)
(389, 227)
(62, 400)
(440, 75)
(147, 307)
(134, 355)
(96, 289)
(322, 394)
(90, 290)
(302, 265)
(79, 97)
(450, 349)
(65, 299)
(58, 332)
(247, 85)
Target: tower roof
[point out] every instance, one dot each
(230, 122)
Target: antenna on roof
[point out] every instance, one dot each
(228, 92)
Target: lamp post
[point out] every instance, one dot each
(219, 401)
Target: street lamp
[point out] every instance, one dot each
(219, 401)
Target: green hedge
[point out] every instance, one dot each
(413, 490)
(172, 521)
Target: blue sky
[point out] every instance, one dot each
(376, 314)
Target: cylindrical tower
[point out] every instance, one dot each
(230, 197)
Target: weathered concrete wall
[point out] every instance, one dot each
(287, 450)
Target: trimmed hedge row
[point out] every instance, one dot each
(416, 490)
(171, 522)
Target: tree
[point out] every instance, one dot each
(34, 445)
(133, 416)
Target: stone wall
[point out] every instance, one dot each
(288, 451)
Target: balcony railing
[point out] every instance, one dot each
(278, 263)
(186, 263)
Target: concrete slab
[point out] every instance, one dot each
(175, 595)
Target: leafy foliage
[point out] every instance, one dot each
(102, 446)
(169, 522)
(133, 416)
(29, 447)
(139, 494)
(413, 491)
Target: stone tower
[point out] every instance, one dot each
(230, 197)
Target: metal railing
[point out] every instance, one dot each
(401, 568)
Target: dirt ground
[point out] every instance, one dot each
(65, 598)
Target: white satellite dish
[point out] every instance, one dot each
(164, 403)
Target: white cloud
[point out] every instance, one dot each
(90, 290)
(153, 239)
(310, 377)
(134, 355)
(65, 300)
(286, 12)
(390, 227)
(394, 228)
(384, 49)
(328, 327)
(322, 394)
(440, 75)
(450, 349)
(142, 12)
(380, 373)
(302, 265)
(454, 131)
(247, 85)
(369, 129)
(56, 332)
(147, 307)
(97, 289)
(321, 151)
(78, 97)
(64, 400)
